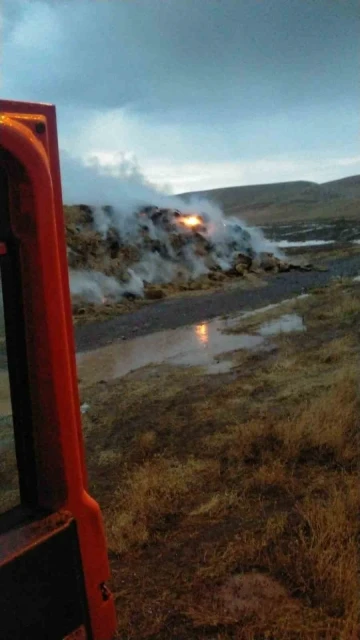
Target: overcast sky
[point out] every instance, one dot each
(195, 93)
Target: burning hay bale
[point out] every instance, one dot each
(112, 256)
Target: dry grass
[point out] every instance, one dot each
(231, 502)
(151, 492)
(338, 302)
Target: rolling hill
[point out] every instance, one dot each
(266, 203)
(346, 186)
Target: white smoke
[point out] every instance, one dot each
(125, 190)
(122, 186)
(153, 268)
(97, 288)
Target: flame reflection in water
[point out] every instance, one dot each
(202, 333)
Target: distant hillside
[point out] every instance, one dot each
(288, 200)
(346, 186)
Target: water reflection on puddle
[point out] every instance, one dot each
(285, 324)
(197, 345)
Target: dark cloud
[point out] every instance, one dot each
(191, 86)
(186, 60)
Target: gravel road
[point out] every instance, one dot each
(170, 314)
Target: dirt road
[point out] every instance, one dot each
(170, 314)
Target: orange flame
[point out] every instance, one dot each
(190, 221)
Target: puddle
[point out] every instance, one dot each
(212, 343)
(287, 323)
(283, 244)
(197, 345)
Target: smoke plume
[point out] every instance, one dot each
(172, 239)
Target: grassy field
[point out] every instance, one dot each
(232, 501)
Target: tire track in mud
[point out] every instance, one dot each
(170, 314)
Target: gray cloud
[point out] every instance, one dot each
(192, 82)
(185, 59)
